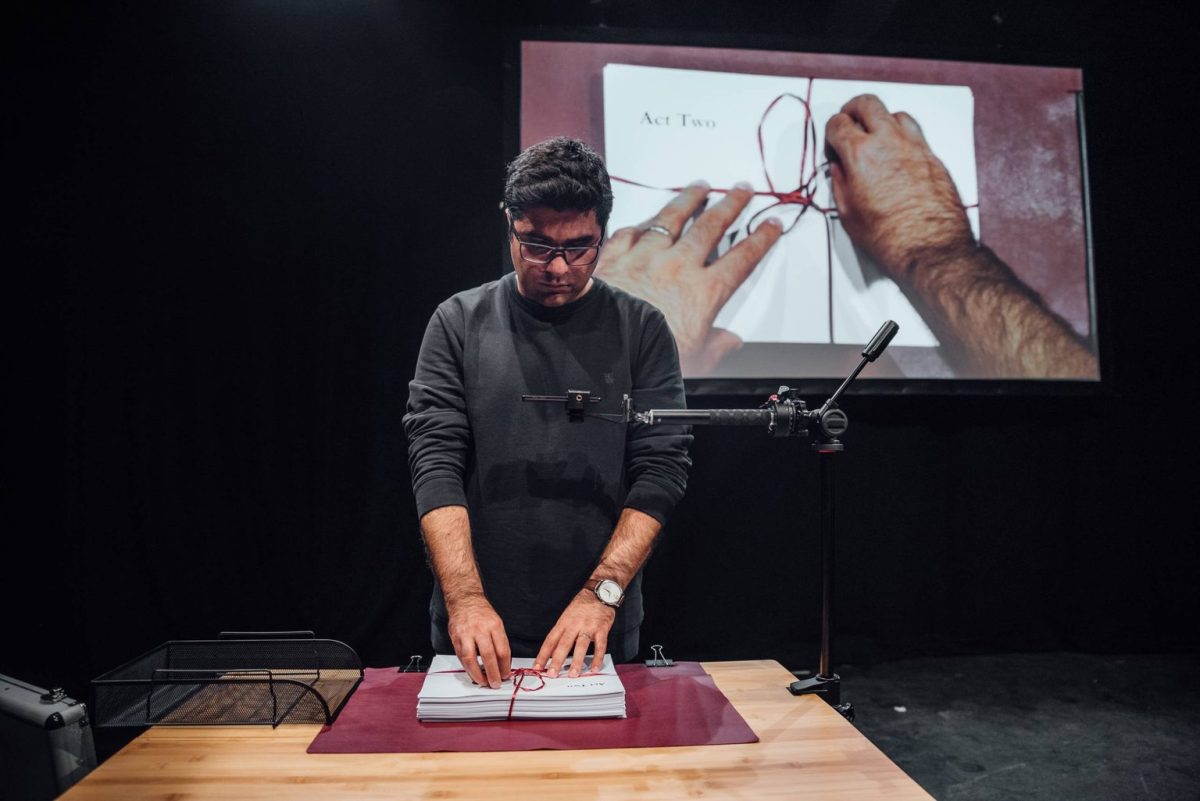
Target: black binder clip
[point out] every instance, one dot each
(577, 403)
(413, 666)
(658, 660)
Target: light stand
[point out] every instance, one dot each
(784, 415)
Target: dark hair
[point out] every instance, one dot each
(560, 173)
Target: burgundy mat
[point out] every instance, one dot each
(678, 705)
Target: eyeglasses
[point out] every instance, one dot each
(541, 253)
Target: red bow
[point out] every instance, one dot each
(518, 677)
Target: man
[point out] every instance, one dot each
(537, 528)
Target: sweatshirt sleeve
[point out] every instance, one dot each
(436, 423)
(657, 456)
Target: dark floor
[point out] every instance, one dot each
(1036, 726)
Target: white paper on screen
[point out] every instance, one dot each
(668, 127)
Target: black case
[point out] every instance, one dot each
(46, 741)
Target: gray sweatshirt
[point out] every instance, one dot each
(543, 493)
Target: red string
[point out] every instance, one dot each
(804, 194)
(518, 677)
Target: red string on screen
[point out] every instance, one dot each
(804, 193)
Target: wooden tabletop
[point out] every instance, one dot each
(806, 751)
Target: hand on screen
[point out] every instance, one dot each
(896, 200)
(893, 195)
(668, 270)
(477, 633)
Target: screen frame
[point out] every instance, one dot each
(864, 384)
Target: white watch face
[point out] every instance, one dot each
(609, 592)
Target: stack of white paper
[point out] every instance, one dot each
(449, 694)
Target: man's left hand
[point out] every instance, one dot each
(672, 275)
(585, 621)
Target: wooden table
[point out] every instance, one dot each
(806, 751)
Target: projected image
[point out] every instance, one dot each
(903, 190)
(805, 289)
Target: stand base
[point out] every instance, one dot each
(830, 690)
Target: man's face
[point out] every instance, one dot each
(557, 282)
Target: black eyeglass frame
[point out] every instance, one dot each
(555, 250)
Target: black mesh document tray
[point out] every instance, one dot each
(230, 681)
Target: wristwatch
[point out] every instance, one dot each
(609, 592)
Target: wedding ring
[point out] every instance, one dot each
(661, 229)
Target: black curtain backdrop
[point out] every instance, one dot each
(250, 210)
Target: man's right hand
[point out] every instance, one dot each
(475, 630)
(897, 201)
(477, 633)
(895, 198)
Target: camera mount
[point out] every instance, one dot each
(784, 414)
